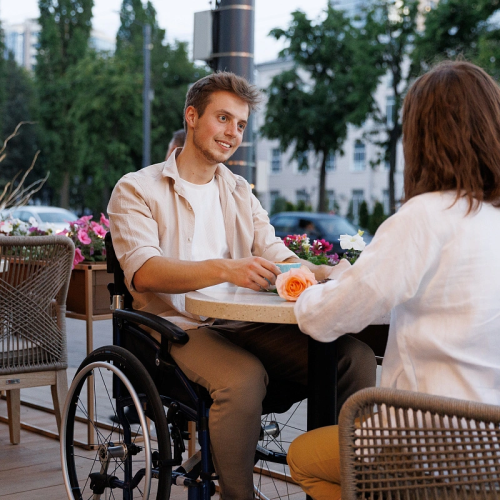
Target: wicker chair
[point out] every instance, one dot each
(417, 446)
(34, 279)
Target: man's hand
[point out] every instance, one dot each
(166, 275)
(252, 272)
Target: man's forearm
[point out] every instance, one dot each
(167, 275)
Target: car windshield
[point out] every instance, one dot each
(338, 226)
(54, 217)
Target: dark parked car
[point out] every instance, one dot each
(316, 225)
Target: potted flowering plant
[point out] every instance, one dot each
(291, 284)
(88, 237)
(317, 253)
(17, 227)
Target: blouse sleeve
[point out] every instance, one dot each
(388, 273)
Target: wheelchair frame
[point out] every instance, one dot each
(135, 386)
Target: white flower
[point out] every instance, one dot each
(352, 242)
(33, 222)
(6, 227)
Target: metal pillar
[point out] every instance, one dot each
(146, 98)
(233, 50)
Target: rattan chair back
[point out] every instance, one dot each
(34, 278)
(404, 445)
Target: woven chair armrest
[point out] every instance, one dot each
(165, 328)
(418, 401)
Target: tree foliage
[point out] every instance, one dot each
(452, 28)
(171, 71)
(18, 106)
(393, 23)
(330, 86)
(63, 41)
(105, 112)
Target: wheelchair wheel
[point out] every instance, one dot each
(126, 453)
(271, 472)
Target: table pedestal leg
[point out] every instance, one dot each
(322, 390)
(322, 385)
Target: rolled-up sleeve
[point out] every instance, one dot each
(135, 232)
(266, 243)
(388, 272)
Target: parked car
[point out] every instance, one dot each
(316, 225)
(55, 217)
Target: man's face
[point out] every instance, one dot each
(218, 132)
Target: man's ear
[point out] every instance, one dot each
(191, 116)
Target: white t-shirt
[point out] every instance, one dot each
(437, 269)
(209, 239)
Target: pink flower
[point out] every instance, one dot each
(321, 246)
(104, 221)
(84, 237)
(83, 221)
(78, 257)
(333, 260)
(291, 284)
(98, 229)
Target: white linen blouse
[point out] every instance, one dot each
(437, 270)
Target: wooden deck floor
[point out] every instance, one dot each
(31, 470)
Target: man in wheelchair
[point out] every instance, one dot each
(190, 223)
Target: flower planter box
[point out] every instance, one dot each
(75, 302)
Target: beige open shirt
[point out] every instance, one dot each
(150, 216)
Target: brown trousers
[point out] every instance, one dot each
(234, 361)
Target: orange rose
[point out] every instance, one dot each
(291, 284)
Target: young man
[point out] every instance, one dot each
(190, 223)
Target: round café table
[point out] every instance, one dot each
(241, 304)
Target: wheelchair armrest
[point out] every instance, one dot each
(165, 328)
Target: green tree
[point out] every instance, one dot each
(452, 28)
(171, 71)
(363, 215)
(281, 204)
(63, 41)
(377, 217)
(106, 108)
(341, 62)
(18, 106)
(393, 24)
(2, 74)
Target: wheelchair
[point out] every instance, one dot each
(143, 458)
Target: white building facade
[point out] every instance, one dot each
(22, 41)
(356, 175)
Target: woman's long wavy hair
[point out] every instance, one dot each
(451, 134)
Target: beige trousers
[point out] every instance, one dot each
(314, 461)
(234, 361)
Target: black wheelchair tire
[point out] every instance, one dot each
(132, 368)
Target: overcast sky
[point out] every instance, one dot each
(176, 16)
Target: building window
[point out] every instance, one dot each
(359, 156)
(330, 162)
(301, 195)
(390, 108)
(302, 162)
(330, 198)
(275, 161)
(273, 196)
(358, 197)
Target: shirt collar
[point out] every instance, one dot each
(221, 172)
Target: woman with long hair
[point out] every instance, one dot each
(434, 264)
